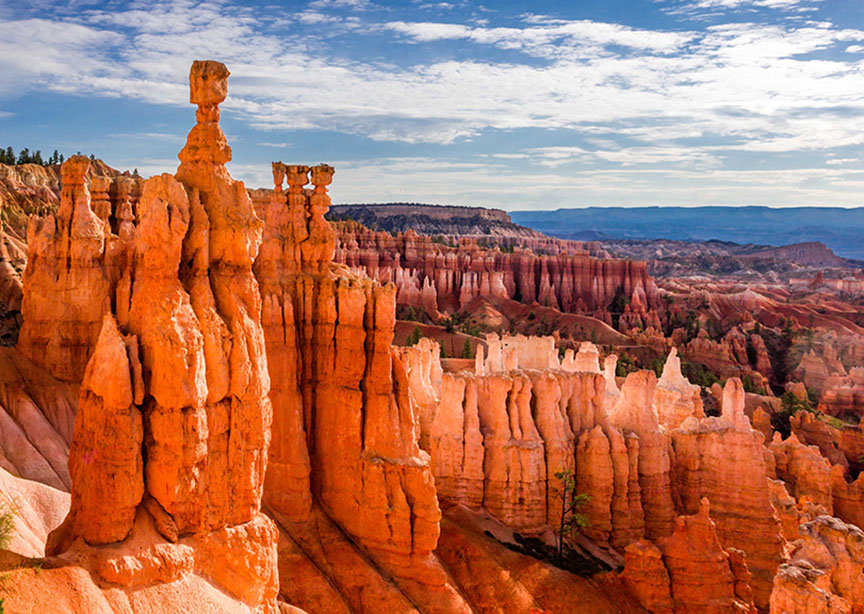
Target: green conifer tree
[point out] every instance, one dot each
(414, 337)
(467, 350)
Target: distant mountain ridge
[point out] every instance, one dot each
(432, 219)
(840, 229)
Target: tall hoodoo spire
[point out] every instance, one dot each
(208, 87)
(174, 413)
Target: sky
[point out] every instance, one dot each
(517, 105)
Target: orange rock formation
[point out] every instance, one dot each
(442, 279)
(222, 354)
(173, 420)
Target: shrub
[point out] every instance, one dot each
(789, 406)
(7, 524)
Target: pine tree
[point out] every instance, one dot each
(443, 349)
(414, 337)
(55, 158)
(37, 158)
(467, 350)
(62, 158)
(24, 156)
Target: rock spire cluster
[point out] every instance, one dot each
(245, 429)
(161, 324)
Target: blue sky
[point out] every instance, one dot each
(589, 102)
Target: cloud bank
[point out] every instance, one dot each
(683, 103)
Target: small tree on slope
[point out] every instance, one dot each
(572, 520)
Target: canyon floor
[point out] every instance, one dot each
(215, 399)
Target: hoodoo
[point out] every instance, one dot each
(170, 441)
(206, 412)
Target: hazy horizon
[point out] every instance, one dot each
(635, 206)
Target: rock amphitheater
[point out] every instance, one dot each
(205, 412)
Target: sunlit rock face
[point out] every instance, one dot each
(500, 433)
(676, 399)
(160, 322)
(688, 571)
(214, 354)
(824, 570)
(346, 428)
(68, 289)
(722, 460)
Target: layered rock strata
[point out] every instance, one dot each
(76, 259)
(438, 278)
(522, 425)
(721, 459)
(500, 434)
(346, 428)
(173, 420)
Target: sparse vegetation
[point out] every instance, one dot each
(617, 306)
(698, 373)
(790, 405)
(837, 423)
(457, 322)
(749, 386)
(657, 366)
(544, 328)
(572, 519)
(625, 366)
(442, 240)
(7, 156)
(414, 337)
(7, 524)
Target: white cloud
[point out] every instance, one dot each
(719, 7)
(33, 49)
(843, 161)
(547, 39)
(317, 17)
(348, 4)
(638, 99)
(667, 155)
(733, 4)
(440, 181)
(743, 83)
